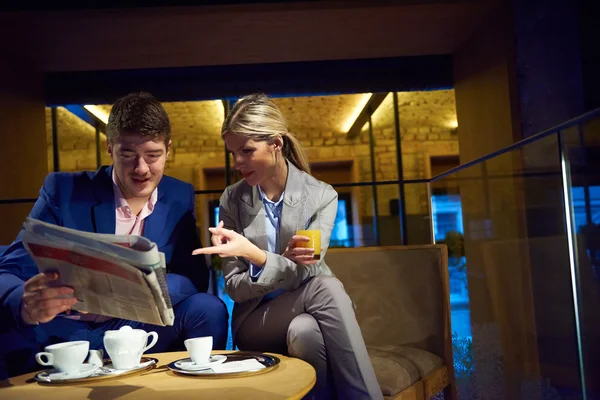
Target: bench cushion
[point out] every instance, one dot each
(398, 367)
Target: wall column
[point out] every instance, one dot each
(23, 135)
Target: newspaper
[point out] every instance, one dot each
(122, 276)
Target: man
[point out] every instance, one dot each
(130, 197)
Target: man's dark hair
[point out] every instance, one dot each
(138, 113)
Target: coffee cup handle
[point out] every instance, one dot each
(38, 358)
(152, 343)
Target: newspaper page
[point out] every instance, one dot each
(121, 276)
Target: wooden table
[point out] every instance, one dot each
(292, 379)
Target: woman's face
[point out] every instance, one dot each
(255, 160)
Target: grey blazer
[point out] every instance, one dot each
(308, 203)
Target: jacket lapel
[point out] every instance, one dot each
(294, 214)
(252, 217)
(103, 213)
(155, 223)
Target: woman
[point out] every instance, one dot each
(285, 300)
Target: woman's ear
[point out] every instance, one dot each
(278, 142)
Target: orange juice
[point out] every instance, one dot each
(315, 241)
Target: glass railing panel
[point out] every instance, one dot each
(429, 143)
(417, 223)
(390, 230)
(207, 213)
(511, 302)
(388, 215)
(346, 231)
(356, 222)
(581, 146)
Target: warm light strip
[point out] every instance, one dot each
(97, 112)
(453, 124)
(356, 111)
(220, 109)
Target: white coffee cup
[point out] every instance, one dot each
(199, 348)
(66, 357)
(126, 346)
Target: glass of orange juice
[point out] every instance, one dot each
(315, 241)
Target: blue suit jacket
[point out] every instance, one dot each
(85, 201)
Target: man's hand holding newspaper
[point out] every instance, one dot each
(43, 300)
(122, 276)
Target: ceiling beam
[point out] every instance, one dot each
(344, 30)
(97, 121)
(86, 116)
(368, 110)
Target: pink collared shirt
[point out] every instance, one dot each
(125, 224)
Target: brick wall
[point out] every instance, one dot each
(76, 142)
(319, 122)
(425, 129)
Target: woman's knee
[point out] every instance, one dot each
(304, 337)
(327, 282)
(328, 288)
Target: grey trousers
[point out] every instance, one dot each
(317, 324)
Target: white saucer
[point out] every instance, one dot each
(188, 365)
(109, 368)
(84, 371)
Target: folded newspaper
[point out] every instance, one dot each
(122, 276)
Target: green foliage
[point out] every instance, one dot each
(456, 244)
(462, 350)
(456, 249)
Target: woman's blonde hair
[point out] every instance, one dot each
(257, 117)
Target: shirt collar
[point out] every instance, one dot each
(120, 200)
(263, 197)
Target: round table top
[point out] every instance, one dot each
(292, 379)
